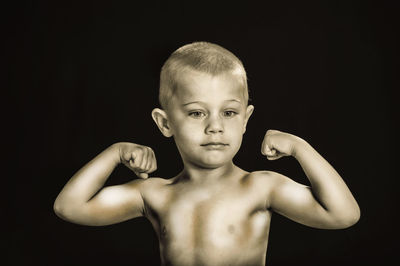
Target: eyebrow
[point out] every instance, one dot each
(200, 102)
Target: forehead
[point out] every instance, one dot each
(198, 86)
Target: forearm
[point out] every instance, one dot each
(327, 185)
(88, 180)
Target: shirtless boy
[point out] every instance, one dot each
(213, 212)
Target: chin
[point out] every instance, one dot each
(212, 163)
(208, 160)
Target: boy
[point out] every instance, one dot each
(213, 212)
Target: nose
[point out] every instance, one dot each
(215, 125)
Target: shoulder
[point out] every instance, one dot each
(151, 188)
(262, 184)
(269, 177)
(155, 192)
(148, 183)
(266, 181)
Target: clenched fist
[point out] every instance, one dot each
(140, 159)
(277, 144)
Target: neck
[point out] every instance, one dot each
(198, 174)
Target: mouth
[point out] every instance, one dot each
(215, 145)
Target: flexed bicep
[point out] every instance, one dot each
(297, 202)
(111, 205)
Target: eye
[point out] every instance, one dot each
(197, 114)
(230, 113)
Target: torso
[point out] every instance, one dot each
(220, 224)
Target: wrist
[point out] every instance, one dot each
(115, 150)
(298, 146)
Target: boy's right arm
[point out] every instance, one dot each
(80, 201)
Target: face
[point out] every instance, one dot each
(207, 117)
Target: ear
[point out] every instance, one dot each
(249, 111)
(161, 119)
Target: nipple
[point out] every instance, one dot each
(163, 232)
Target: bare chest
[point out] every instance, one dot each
(191, 222)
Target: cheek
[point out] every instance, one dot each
(234, 132)
(188, 132)
(236, 127)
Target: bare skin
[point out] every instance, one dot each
(212, 213)
(208, 224)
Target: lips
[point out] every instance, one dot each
(215, 145)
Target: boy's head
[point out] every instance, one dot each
(201, 57)
(204, 95)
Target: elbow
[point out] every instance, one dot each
(70, 212)
(350, 219)
(58, 208)
(61, 210)
(354, 215)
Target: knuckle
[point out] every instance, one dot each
(141, 148)
(139, 151)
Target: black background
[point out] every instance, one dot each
(84, 75)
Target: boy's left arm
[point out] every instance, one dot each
(328, 203)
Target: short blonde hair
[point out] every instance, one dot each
(199, 56)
